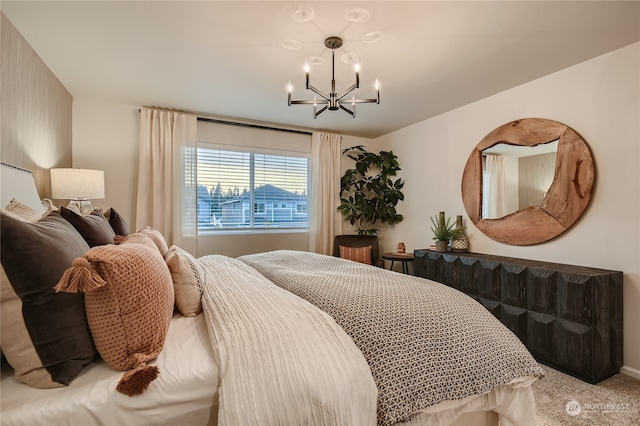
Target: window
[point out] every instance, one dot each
(240, 190)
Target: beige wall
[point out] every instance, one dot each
(599, 99)
(36, 110)
(105, 137)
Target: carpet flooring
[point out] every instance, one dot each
(562, 400)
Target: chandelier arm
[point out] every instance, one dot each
(349, 90)
(309, 102)
(316, 114)
(361, 101)
(317, 91)
(353, 113)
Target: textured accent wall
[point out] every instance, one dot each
(36, 110)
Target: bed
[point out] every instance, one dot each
(283, 338)
(182, 394)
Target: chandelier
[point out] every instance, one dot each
(334, 101)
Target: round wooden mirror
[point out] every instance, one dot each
(563, 202)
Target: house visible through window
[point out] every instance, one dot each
(250, 190)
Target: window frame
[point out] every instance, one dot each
(252, 227)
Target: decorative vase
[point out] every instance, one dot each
(460, 243)
(441, 246)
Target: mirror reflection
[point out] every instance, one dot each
(516, 177)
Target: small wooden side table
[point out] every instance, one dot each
(403, 258)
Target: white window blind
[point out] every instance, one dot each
(247, 186)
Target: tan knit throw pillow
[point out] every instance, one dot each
(157, 238)
(129, 302)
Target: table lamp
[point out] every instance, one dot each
(78, 185)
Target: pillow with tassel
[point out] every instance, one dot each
(129, 302)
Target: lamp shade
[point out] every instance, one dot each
(77, 184)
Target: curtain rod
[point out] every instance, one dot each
(202, 117)
(255, 126)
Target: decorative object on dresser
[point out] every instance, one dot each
(368, 194)
(78, 185)
(550, 210)
(569, 317)
(443, 231)
(460, 242)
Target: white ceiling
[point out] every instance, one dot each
(227, 58)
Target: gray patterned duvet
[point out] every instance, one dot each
(424, 342)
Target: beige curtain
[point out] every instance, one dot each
(325, 219)
(167, 189)
(494, 202)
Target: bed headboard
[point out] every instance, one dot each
(18, 183)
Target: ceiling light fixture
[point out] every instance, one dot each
(334, 101)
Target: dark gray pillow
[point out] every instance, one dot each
(117, 222)
(94, 228)
(48, 341)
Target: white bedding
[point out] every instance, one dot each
(183, 393)
(282, 360)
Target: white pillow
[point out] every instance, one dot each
(23, 211)
(188, 280)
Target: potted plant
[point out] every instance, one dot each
(369, 193)
(443, 231)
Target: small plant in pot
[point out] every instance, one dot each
(443, 231)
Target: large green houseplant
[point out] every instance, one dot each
(369, 193)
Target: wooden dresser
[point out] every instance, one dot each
(569, 317)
